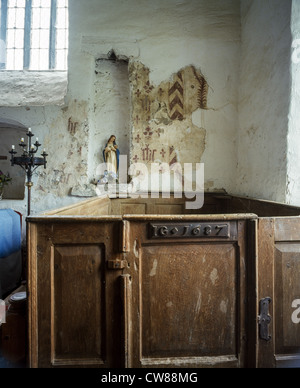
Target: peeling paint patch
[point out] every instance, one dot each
(153, 270)
(162, 126)
(135, 249)
(223, 307)
(198, 305)
(71, 130)
(214, 276)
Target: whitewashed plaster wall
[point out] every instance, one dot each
(32, 88)
(293, 139)
(165, 36)
(265, 89)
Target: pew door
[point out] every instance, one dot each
(74, 298)
(186, 293)
(278, 335)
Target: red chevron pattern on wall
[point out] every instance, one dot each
(176, 98)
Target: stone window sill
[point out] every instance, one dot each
(37, 88)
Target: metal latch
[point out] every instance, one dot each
(116, 264)
(264, 319)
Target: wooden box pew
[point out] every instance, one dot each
(143, 283)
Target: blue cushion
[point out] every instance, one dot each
(10, 232)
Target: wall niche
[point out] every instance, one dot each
(111, 110)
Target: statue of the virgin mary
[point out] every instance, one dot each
(111, 155)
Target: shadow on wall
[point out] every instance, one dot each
(11, 133)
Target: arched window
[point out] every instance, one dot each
(33, 34)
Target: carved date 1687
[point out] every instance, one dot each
(189, 230)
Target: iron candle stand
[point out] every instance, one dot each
(28, 161)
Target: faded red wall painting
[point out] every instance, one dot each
(162, 127)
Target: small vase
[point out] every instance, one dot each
(1, 192)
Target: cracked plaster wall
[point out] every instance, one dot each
(293, 138)
(265, 91)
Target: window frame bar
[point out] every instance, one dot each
(52, 39)
(3, 30)
(27, 34)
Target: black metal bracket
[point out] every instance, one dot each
(264, 319)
